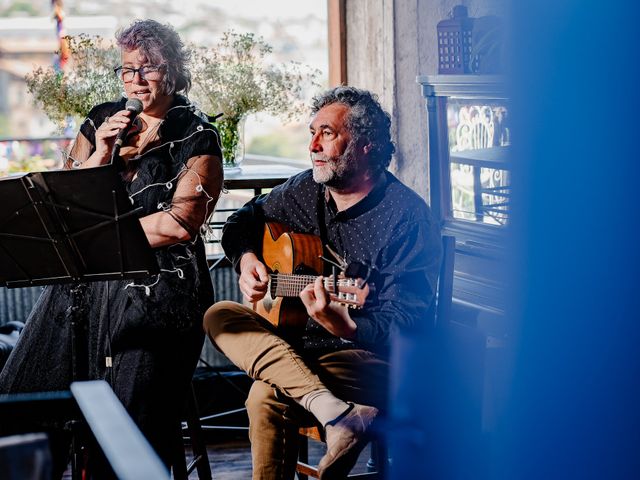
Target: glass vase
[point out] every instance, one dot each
(232, 142)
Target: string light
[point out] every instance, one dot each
(147, 287)
(178, 256)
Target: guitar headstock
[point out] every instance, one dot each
(352, 292)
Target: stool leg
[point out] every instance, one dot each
(379, 458)
(179, 464)
(373, 464)
(197, 438)
(383, 457)
(303, 455)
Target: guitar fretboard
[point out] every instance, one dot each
(290, 285)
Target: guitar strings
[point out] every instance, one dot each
(290, 285)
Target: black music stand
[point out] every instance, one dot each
(71, 226)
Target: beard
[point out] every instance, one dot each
(338, 171)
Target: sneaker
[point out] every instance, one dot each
(345, 440)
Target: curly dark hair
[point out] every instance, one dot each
(162, 46)
(366, 121)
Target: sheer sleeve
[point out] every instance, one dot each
(197, 192)
(81, 150)
(84, 143)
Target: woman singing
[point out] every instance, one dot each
(144, 336)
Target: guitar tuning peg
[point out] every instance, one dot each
(342, 263)
(331, 262)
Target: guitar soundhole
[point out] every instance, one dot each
(303, 269)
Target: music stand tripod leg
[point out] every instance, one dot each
(79, 367)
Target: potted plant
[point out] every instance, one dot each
(232, 80)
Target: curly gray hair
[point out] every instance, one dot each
(366, 121)
(162, 46)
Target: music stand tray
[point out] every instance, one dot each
(70, 226)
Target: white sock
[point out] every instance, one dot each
(324, 405)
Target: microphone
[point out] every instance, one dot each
(135, 106)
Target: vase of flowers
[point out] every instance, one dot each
(230, 81)
(233, 79)
(88, 82)
(231, 132)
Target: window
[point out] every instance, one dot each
(479, 136)
(469, 162)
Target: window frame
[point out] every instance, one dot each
(337, 44)
(480, 247)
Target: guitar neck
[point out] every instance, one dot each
(289, 285)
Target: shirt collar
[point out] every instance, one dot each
(364, 205)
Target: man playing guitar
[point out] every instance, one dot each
(336, 367)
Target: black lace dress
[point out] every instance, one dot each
(153, 335)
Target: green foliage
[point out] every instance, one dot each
(26, 156)
(27, 164)
(89, 80)
(233, 78)
(229, 130)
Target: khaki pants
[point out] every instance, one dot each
(250, 342)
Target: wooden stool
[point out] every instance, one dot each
(376, 466)
(200, 460)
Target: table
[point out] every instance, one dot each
(258, 177)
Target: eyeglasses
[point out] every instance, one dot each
(147, 72)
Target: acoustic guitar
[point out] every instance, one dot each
(293, 260)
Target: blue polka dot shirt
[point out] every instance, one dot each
(391, 231)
